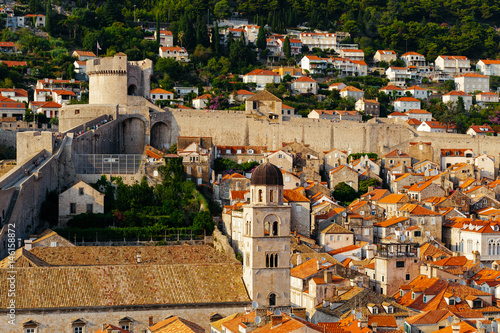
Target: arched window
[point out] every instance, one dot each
(271, 260)
(271, 195)
(497, 252)
(272, 299)
(267, 229)
(260, 195)
(275, 228)
(275, 260)
(267, 260)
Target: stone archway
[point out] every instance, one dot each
(160, 136)
(133, 135)
(132, 90)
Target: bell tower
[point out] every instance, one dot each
(266, 239)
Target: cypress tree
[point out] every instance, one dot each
(158, 28)
(286, 48)
(215, 39)
(48, 16)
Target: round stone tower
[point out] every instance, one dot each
(108, 79)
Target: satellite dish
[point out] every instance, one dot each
(358, 315)
(255, 305)
(400, 225)
(373, 206)
(353, 312)
(403, 238)
(344, 214)
(457, 299)
(411, 240)
(479, 324)
(462, 282)
(258, 320)
(481, 265)
(450, 319)
(277, 312)
(432, 238)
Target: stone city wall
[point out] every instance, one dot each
(235, 128)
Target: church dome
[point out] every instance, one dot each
(267, 174)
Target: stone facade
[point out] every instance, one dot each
(78, 199)
(111, 79)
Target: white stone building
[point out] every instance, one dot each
(404, 104)
(471, 82)
(452, 97)
(489, 67)
(454, 65)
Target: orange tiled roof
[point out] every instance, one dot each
(308, 268)
(176, 324)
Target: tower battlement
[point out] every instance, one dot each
(111, 79)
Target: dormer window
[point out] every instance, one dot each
(451, 301)
(413, 295)
(126, 323)
(375, 310)
(30, 327)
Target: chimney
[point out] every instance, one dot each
(109, 330)
(260, 312)
(429, 271)
(477, 257)
(318, 265)
(138, 258)
(328, 277)
(455, 328)
(276, 320)
(150, 322)
(374, 327)
(104, 327)
(28, 244)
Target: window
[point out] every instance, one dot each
(425, 299)
(367, 232)
(272, 299)
(200, 169)
(72, 208)
(417, 233)
(89, 208)
(80, 191)
(124, 327)
(77, 111)
(77, 329)
(271, 195)
(400, 264)
(339, 238)
(477, 303)
(407, 277)
(260, 195)
(29, 330)
(413, 296)
(271, 260)
(188, 169)
(383, 278)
